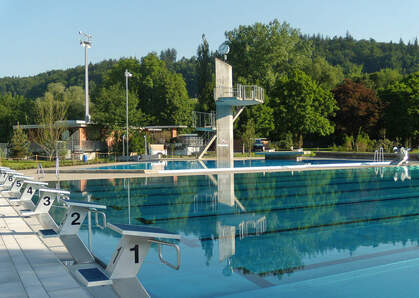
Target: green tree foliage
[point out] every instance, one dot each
(13, 109)
(372, 56)
(401, 114)
(248, 135)
(187, 68)
(326, 75)
(49, 112)
(35, 86)
(262, 117)
(261, 53)
(163, 94)
(205, 77)
(359, 107)
(19, 144)
(169, 57)
(302, 107)
(72, 97)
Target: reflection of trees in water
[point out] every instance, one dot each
(302, 202)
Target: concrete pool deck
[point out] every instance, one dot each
(31, 266)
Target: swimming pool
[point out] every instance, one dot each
(212, 164)
(331, 233)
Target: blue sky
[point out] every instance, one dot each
(38, 36)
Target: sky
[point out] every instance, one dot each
(39, 36)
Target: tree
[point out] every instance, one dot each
(50, 111)
(163, 94)
(110, 112)
(359, 107)
(301, 107)
(401, 112)
(14, 109)
(262, 116)
(74, 99)
(262, 52)
(205, 77)
(187, 68)
(169, 57)
(248, 135)
(326, 75)
(19, 144)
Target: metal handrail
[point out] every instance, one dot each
(40, 171)
(102, 227)
(379, 155)
(241, 92)
(159, 242)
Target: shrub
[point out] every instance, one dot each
(363, 142)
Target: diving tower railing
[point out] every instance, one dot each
(248, 94)
(203, 121)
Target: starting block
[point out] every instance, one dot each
(47, 198)
(75, 215)
(26, 196)
(16, 187)
(129, 256)
(10, 177)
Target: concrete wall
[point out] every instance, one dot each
(224, 116)
(223, 77)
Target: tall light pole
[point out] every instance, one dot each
(127, 75)
(86, 42)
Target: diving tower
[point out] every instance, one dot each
(219, 125)
(226, 98)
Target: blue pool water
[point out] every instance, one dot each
(334, 233)
(211, 164)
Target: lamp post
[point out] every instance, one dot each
(127, 75)
(86, 43)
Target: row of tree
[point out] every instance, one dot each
(314, 92)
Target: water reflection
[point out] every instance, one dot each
(241, 224)
(273, 223)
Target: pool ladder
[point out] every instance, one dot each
(379, 155)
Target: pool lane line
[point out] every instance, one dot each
(279, 197)
(254, 278)
(152, 221)
(215, 237)
(335, 180)
(391, 186)
(334, 262)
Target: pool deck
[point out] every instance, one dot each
(31, 266)
(86, 172)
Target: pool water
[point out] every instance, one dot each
(334, 233)
(211, 164)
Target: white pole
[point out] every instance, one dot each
(126, 90)
(86, 90)
(127, 75)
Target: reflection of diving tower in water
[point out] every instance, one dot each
(245, 224)
(220, 126)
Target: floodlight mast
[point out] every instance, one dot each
(86, 42)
